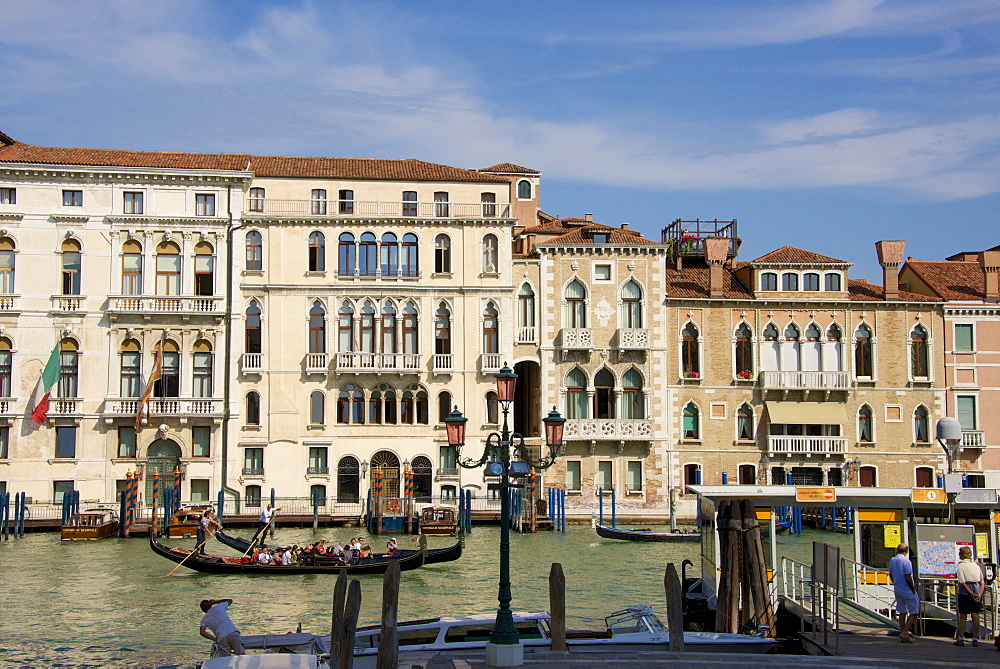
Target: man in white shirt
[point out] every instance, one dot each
(969, 589)
(224, 632)
(265, 518)
(905, 589)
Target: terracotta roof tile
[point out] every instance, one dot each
(509, 168)
(860, 290)
(52, 155)
(692, 282)
(792, 255)
(585, 234)
(950, 279)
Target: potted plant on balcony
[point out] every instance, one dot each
(691, 375)
(744, 375)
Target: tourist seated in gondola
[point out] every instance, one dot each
(391, 547)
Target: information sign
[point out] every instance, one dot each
(815, 494)
(982, 545)
(937, 549)
(929, 495)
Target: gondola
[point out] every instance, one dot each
(212, 564)
(645, 535)
(434, 555)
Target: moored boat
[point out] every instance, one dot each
(184, 523)
(439, 520)
(96, 523)
(434, 555)
(645, 534)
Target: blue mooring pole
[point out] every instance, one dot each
(600, 506)
(274, 505)
(222, 502)
(614, 503)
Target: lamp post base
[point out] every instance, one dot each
(504, 655)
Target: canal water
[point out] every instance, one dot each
(111, 602)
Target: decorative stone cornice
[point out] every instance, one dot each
(164, 220)
(125, 175)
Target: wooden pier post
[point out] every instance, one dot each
(388, 643)
(675, 608)
(351, 611)
(557, 606)
(755, 570)
(337, 620)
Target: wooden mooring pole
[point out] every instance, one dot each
(557, 606)
(351, 611)
(388, 646)
(337, 620)
(675, 608)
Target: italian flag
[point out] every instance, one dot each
(50, 377)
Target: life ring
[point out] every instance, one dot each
(392, 505)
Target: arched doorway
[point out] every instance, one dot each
(422, 477)
(162, 456)
(388, 463)
(527, 400)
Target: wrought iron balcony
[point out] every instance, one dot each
(378, 362)
(375, 209)
(618, 429)
(447, 472)
(166, 304)
(316, 471)
(973, 439)
(253, 471)
(805, 380)
(826, 446)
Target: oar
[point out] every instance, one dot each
(260, 533)
(186, 557)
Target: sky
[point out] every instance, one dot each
(827, 125)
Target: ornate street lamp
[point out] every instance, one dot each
(504, 648)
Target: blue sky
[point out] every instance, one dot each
(827, 125)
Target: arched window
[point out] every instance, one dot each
(204, 269)
(832, 281)
(68, 369)
(253, 408)
(631, 305)
(491, 254)
(633, 399)
(691, 422)
(317, 252)
(744, 422)
(523, 189)
(789, 281)
(168, 269)
(921, 425)
(863, 364)
(743, 352)
(346, 254)
(422, 472)
(345, 328)
(576, 305)
(769, 281)
(410, 255)
(390, 337)
(919, 363)
(526, 313)
(492, 408)
(690, 359)
(489, 204)
(131, 267)
(390, 254)
(866, 428)
(255, 251)
(442, 254)
(367, 264)
(367, 330)
(491, 329)
(924, 477)
(748, 475)
(317, 203)
(410, 337)
(769, 348)
(131, 373)
(169, 384)
(833, 351)
(348, 480)
(252, 334)
(351, 405)
(71, 267)
(382, 405)
(442, 330)
(444, 405)
(441, 204)
(7, 266)
(811, 349)
(604, 394)
(6, 368)
(409, 203)
(414, 406)
(317, 328)
(810, 281)
(790, 348)
(576, 394)
(692, 474)
(868, 477)
(201, 373)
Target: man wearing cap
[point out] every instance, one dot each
(223, 631)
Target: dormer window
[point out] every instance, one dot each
(769, 281)
(810, 281)
(833, 282)
(601, 238)
(789, 281)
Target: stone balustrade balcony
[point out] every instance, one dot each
(378, 362)
(793, 380)
(616, 429)
(806, 446)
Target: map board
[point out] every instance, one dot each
(937, 549)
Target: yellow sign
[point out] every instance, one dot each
(928, 495)
(892, 535)
(815, 495)
(763, 513)
(880, 515)
(982, 545)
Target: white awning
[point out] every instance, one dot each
(807, 413)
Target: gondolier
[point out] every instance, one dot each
(265, 517)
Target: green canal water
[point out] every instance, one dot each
(111, 602)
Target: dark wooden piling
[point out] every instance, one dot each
(337, 620)
(352, 609)
(675, 608)
(388, 645)
(730, 524)
(557, 606)
(755, 569)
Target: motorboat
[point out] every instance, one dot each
(437, 520)
(96, 523)
(184, 522)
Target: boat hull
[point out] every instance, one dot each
(434, 555)
(645, 535)
(76, 533)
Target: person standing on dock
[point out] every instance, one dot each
(224, 633)
(970, 586)
(903, 586)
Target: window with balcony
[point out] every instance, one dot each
(351, 405)
(409, 332)
(921, 425)
(204, 204)
(743, 352)
(317, 328)
(574, 476)
(131, 372)
(576, 394)
(345, 201)
(132, 203)
(409, 203)
(769, 281)
(967, 411)
(5, 366)
(389, 329)
(833, 350)
(964, 338)
(345, 328)
(409, 256)
(526, 312)
(72, 198)
(367, 329)
(168, 269)
(8, 196)
(253, 462)
(491, 254)
(633, 397)
(832, 281)
(691, 352)
(633, 476)
(448, 460)
(348, 480)
(317, 408)
(317, 202)
(202, 369)
(317, 252)
(441, 204)
(66, 441)
(201, 441)
(489, 204)
(770, 348)
(255, 251)
(252, 495)
(317, 460)
(604, 394)
(747, 475)
(414, 406)
(523, 189)
(744, 423)
(866, 425)
(367, 255)
(68, 368)
(919, 353)
(382, 405)
(169, 383)
(575, 310)
(492, 408)
(390, 254)
(346, 254)
(126, 442)
(442, 330)
(252, 333)
(7, 257)
(131, 268)
(256, 201)
(491, 329)
(791, 348)
(71, 267)
(811, 349)
(691, 422)
(204, 269)
(442, 254)
(810, 281)
(253, 408)
(863, 349)
(631, 313)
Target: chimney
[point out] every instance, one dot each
(589, 218)
(890, 256)
(990, 262)
(624, 226)
(716, 250)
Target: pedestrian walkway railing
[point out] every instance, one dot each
(940, 603)
(819, 602)
(868, 588)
